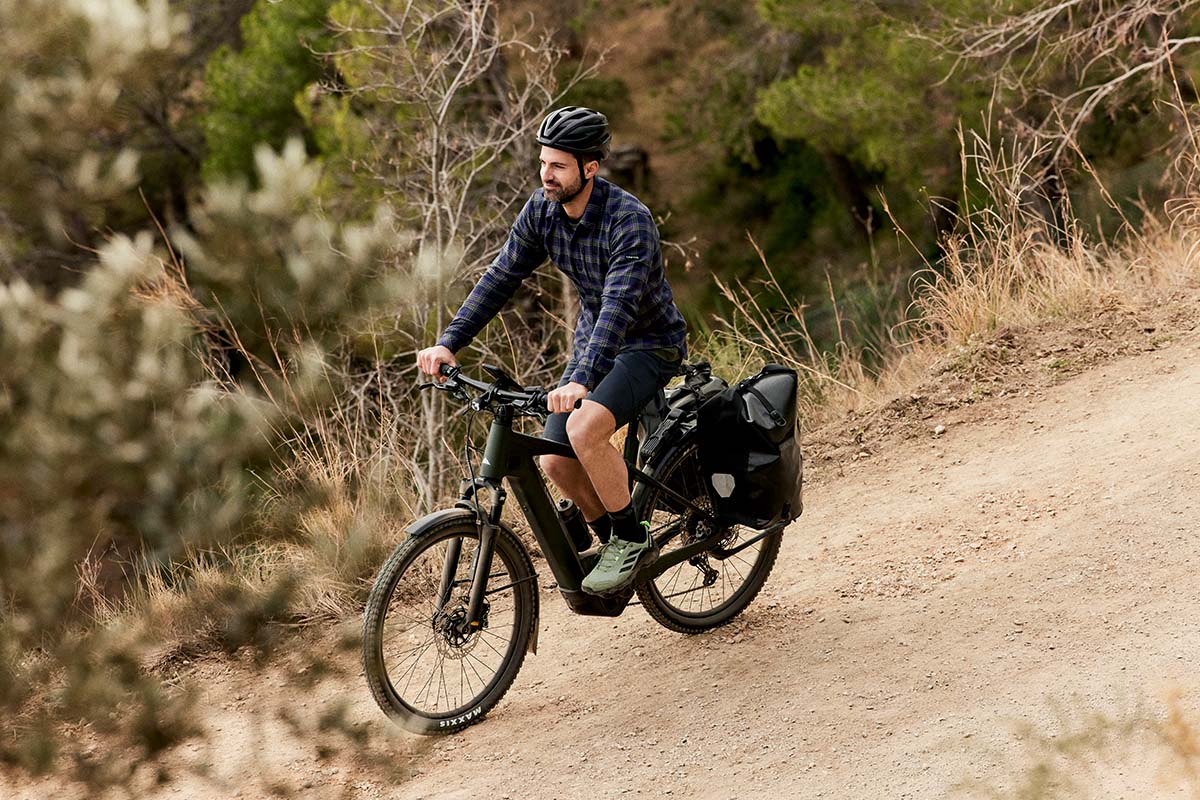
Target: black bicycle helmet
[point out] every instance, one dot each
(577, 130)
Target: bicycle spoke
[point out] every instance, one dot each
(472, 657)
(702, 586)
(417, 657)
(420, 646)
(424, 687)
(492, 647)
(443, 684)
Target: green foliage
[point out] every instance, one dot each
(279, 272)
(252, 90)
(114, 444)
(119, 444)
(67, 74)
(869, 92)
(343, 138)
(122, 441)
(780, 193)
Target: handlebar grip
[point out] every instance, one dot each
(448, 370)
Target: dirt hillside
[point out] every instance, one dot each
(1003, 602)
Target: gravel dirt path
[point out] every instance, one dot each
(1008, 601)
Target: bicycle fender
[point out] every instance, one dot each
(423, 525)
(432, 521)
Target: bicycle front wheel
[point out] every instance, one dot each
(427, 668)
(703, 592)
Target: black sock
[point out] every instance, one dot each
(625, 525)
(602, 527)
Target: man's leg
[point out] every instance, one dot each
(616, 401)
(590, 428)
(572, 480)
(630, 548)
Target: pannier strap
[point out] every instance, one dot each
(776, 417)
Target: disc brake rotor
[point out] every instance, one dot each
(454, 640)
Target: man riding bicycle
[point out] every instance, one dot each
(629, 339)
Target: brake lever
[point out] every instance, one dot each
(449, 385)
(535, 406)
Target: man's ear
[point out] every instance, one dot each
(590, 168)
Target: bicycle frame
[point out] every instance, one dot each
(510, 455)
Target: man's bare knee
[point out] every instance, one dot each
(589, 425)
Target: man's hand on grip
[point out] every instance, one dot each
(431, 359)
(564, 398)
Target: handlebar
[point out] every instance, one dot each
(530, 400)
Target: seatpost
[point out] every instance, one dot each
(631, 449)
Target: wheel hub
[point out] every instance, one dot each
(456, 638)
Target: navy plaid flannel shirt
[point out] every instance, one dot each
(613, 257)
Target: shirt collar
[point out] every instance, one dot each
(594, 211)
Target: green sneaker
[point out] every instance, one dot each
(620, 561)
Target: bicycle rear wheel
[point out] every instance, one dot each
(426, 668)
(703, 592)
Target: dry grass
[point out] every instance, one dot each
(1018, 260)
(347, 484)
(334, 510)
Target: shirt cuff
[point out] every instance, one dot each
(450, 342)
(583, 376)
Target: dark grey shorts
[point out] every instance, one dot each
(635, 377)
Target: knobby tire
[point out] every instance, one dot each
(741, 579)
(399, 626)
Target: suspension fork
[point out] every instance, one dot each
(483, 558)
(449, 570)
(487, 533)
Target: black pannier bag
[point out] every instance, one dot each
(678, 416)
(750, 449)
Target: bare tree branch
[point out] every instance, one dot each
(1078, 57)
(451, 99)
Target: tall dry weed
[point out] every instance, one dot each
(767, 324)
(1018, 257)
